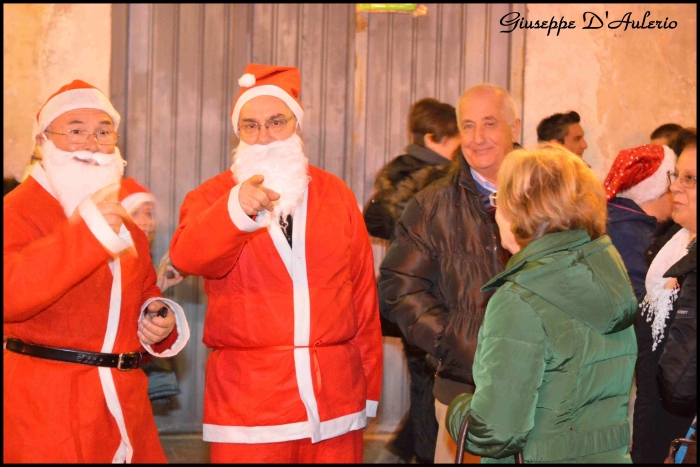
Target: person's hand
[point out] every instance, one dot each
(107, 203)
(154, 328)
(254, 197)
(167, 274)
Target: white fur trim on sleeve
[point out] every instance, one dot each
(239, 217)
(183, 329)
(99, 227)
(371, 408)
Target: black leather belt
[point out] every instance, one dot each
(121, 361)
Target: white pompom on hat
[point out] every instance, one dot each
(76, 95)
(283, 82)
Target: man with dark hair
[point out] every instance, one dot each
(666, 134)
(564, 129)
(432, 126)
(435, 137)
(683, 138)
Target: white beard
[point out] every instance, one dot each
(73, 181)
(285, 168)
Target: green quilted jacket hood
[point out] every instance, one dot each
(575, 275)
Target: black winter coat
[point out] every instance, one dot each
(400, 179)
(655, 424)
(678, 365)
(447, 246)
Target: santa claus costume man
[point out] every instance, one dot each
(292, 318)
(81, 307)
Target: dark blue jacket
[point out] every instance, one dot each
(631, 231)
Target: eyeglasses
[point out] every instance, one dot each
(105, 137)
(274, 125)
(492, 199)
(687, 180)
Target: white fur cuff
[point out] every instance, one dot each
(183, 329)
(99, 227)
(239, 218)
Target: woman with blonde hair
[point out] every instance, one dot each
(556, 351)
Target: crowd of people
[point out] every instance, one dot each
(528, 295)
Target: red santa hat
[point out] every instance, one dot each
(639, 173)
(132, 195)
(76, 95)
(283, 82)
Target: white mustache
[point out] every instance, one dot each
(95, 157)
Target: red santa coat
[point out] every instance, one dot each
(295, 333)
(62, 289)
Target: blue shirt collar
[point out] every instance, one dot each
(485, 184)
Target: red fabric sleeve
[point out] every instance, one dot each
(207, 242)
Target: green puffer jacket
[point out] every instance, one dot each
(553, 366)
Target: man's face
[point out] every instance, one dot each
(574, 141)
(90, 120)
(485, 135)
(275, 121)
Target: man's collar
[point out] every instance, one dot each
(485, 184)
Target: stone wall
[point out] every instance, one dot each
(624, 84)
(45, 47)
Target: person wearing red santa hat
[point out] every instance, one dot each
(638, 201)
(643, 174)
(292, 319)
(81, 307)
(140, 204)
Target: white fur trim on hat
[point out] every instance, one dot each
(84, 98)
(266, 90)
(655, 186)
(134, 200)
(247, 80)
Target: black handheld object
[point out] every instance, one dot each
(163, 312)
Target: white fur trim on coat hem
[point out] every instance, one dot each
(289, 432)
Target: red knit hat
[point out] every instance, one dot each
(639, 173)
(132, 195)
(76, 95)
(283, 82)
